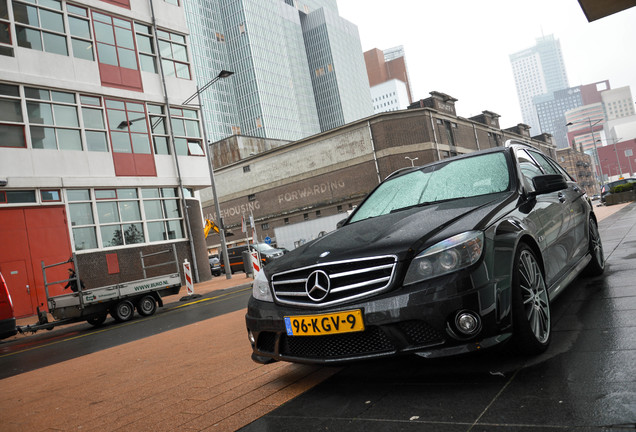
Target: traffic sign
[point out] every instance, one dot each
(268, 240)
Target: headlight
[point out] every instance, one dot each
(447, 256)
(260, 287)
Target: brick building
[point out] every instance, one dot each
(331, 172)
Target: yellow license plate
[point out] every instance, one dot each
(325, 324)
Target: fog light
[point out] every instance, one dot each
(467, 323)
(250, 336)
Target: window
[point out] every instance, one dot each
(174, 55)
(53, 119)
(187, 135)
(265, 226)
(246, 169)
(40, 26)
(6, 39)
(286, 221)
(93, 121)
(119, 216)
(116, 52)
(251, 197)
(130, 140)
(306, 216)
(82, 220)
(122, 218)
(51, 195)
(158, 129)
(146, 47)
(11, 118)
(115, 44)
(162, 213)
(80, 30)
(17, 196)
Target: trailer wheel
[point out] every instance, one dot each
(97, 320)
(146, 305)
(123, 311)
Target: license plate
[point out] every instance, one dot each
(325, 324)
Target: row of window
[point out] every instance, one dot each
(63, 28)
(103, 218)
(52, 119)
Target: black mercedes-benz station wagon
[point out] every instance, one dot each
(442, 259)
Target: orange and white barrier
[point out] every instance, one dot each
(256, 265)
(188, 277)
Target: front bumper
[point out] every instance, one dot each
(416, 319)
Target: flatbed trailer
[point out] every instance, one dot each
(119, 300)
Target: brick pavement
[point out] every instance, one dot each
(195, 378)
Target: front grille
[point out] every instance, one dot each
(371, 341)
(348, 280)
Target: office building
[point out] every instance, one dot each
(538, 70)
(298, 67)
(388, 78)
(551, 108)
(98, 156)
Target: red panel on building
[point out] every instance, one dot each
(114, 76)
(124, 164)
(145, 165)
(112, 261)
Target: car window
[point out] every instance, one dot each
(456, 178)
(529, 167)
(548, 168)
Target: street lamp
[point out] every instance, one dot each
(217, 207)
(411, 159)
(589, 121)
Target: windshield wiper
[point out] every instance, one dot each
(426, 203)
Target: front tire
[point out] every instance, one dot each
(596, 266)
(530, 304)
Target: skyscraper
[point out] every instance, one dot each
(538, 70)
(298, 68)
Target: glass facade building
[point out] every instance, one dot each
(298, 67)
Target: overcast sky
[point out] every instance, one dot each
(462, 47)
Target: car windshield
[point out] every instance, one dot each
(457, 178)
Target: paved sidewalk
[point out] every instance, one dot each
(194, 378)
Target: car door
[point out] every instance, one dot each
(550, 219)
(575, 234)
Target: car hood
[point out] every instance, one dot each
(402, 233)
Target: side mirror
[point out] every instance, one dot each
(544, 184)
(341, 223)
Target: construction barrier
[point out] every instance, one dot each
(188, 277)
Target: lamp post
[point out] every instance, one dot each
(217, 207)
(598, 163)
(411, 159)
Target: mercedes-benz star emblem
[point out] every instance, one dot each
(318, 285)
